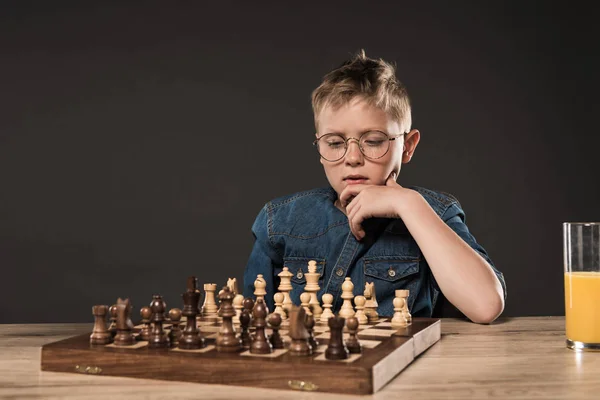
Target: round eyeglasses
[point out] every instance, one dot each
(372, 144)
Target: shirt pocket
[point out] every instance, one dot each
(298, 266)
(390, 274)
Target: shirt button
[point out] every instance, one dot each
(339, 272)
(391, 272)
(299, 274)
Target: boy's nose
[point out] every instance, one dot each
(353, 155)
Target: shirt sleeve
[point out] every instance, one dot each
(264, 258)
(455, 218)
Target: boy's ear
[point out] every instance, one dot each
(411, 141)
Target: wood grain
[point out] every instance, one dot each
(516, 358)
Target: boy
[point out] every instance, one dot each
(365, 225)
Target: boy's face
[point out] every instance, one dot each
(351, 120)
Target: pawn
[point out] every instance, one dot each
(352, 342)
(327, 304)
(279, 305)
(347, 310)
(310, 325)
(238, 306)
(359, 302)
(404, 294)
(146, 314)
(260, 344)
(399, 320)
(274, 321)
(336, 349)
(305, 302)
(112, 328)
(244, 326)
(100, 333)
(175, 332)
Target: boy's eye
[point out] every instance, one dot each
(374, 143)
(335, 144)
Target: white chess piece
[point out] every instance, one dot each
(305, 302)
(259, 287)
(285, 287)
(371, 304)
(327, 304)
(209, 307)
(238, 306)
(278, 298)
(359, 302)
(347, 310)
(398, 320)
(404, 294)
(312, 287)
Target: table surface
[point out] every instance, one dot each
(513, 358)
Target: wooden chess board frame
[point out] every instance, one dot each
(386, 352)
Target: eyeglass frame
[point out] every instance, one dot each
(389, 137)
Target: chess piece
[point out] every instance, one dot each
(399, 320)
(175, 332)
(371, 304)
(305, 301)
(404, 293)
(310, 325)
(285, 287)
(347, 287)
(244, 325)
(227, 341)
(210, 308)
(112, 328)
(238, 306)
(274, 321)
(233, 286)
(312, 287)
(352, 342)
(146, 314)
(259, 287)
(298, 333)
(260, 344)
(327, 304)
(336, 349)
(359, 302)
(124, 335)
(158, 337)
(100, 333)
(191, 337)
(278, 298)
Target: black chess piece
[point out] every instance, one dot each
(352, 342)
(158, 337)
(227, 341)
(298, 333)
(310, 325)
(260, 344)
(124, 326)
(245, 333)
(175, 332)
(146, 314)
(112, 327)
(274, 321)
(191, 337)
(336, 349)
(100, 333)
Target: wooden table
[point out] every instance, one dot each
(513, 358)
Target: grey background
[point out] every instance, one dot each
(114, 183)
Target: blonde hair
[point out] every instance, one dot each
(372, 80)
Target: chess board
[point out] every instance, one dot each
(386, 352)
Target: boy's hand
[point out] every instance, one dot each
(368, 201)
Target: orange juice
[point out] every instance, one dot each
(582, 306)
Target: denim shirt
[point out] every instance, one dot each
(292, 230)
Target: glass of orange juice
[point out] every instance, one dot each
(581, 246)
